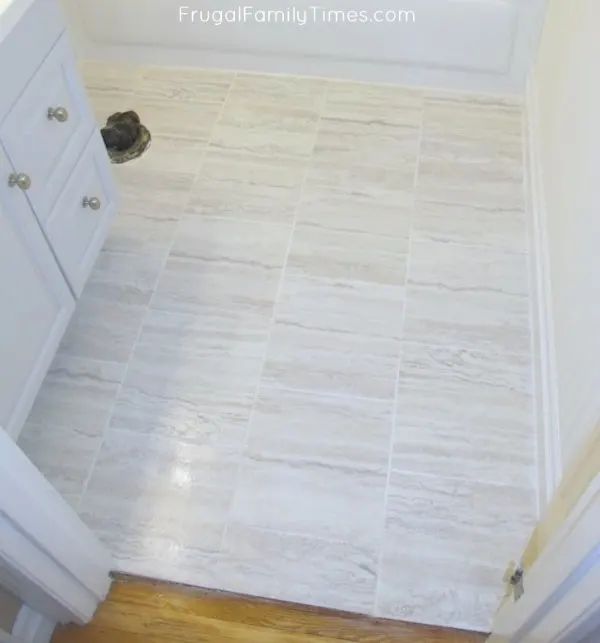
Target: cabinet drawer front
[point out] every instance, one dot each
(47, 148)
(76, 229)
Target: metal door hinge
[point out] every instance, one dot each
(516, 583)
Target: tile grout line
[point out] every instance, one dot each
(329, 395)
(271, 321)
(127, 365)
(274, 313)
(375, 610)
(148, 307)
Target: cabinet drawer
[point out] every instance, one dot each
(47, 148)
(75, 229)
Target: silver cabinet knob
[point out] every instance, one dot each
(19, 180)
(58, 113)
(92, 202)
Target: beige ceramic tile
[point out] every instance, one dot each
(370, 125)
(302, 427)
(372, 185)
(305, 93)
(368, 103)
(64, 455)
(465, 533)
(103, 330)
(330, 361)
(153, 192)
(238, 186)
(173, 155)
(496, 228)
(224, 267)
(153, 497)
(354, 256)
(110, 78)
(458, 294)
(490, 183)
(467, 447)
(183, 84)
(141, 233)
(465, 413)
(178, 119)
(338, 319)
(437, 590)
(471, 153)
(467, 268)
(105, 104)
(436, 314)
(468, 128)
(266, 129)
(77, 394)
(367, 309)
(453, 518)
(375, 220)
(301, 569)
(312, 500)
(125, 278)
(193, 377)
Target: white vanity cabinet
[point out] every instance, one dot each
(57, 199)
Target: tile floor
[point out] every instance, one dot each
(301, 367)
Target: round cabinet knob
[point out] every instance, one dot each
(19, 180)
(59, 114)
(92, 202)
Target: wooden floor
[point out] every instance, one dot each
(147, 612)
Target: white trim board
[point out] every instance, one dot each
(49, 559)
(562, 588)
(333, 68)
(32, 627)
(482, 45)
(546, 412)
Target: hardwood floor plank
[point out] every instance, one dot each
(152, 612)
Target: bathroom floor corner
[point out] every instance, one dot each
(301, 368)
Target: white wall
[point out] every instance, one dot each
(568, 105)
(473, 44)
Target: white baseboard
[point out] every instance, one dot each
(32, 627)
(434, 50)
(394, 73)
(549, 460)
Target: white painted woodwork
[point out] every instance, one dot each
(76, 233)
(11, 12)
(49, 241)
(35, 300)
(26, 37)
(549, 456)
(563, 104)
(32, 627)
(44, 148)
(563, 586)
(470, 44)
(48, 557)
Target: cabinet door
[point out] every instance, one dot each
(76, 231)
(43, 146)
(35, 304)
